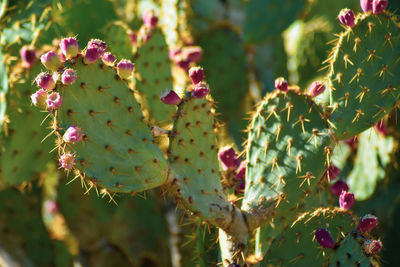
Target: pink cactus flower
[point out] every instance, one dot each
(53, 101)
(125, 69)
(67, 161)
(69, 76)
(45, 81)
(73, 134)
(51, 61)
(69, 47)
(39, 98)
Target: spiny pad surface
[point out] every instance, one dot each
(194, 161)
(364, 80)
(117, 151)
(296, 246)
(153, 75)
(286, 153)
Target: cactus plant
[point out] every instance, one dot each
(135, 114)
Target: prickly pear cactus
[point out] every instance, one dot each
(3, 90)
(117, 150)
(363, 80)
(193, 159)
(287, 150)
(25, 148)
(153, 55)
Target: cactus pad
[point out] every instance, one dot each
(117, 151)
(363, 81)
(286, 153)
(153, 76)
(193, 157)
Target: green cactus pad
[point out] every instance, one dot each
(224, 62)
(194, 162)
(23, 234)
(373, 156)
(350, 253)
(363, 81)
(153, 76)
(117, 151)
(267, 18)
(95, 14)
(117, 35)
(169, 20)
(296, 246)
(24, 155)
(286, 154)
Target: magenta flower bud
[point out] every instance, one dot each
(69, 76)
(338, 187)
(371, 247)
(145, 34)
(39, 98)
(241, 171)
(378, 6)
(332, 172)
(346, 200)
(67, 161)
(324, 238)
(228, 158)
(108, 59)
(50, 206)
(380, 127)
(174, 52)
(200, 90)
(54, 101)
(169, 97)
(193, 53)
(346, 17)
(73, 134)
(281, 84)
(367, 223)
(91, 55)
(99, 45)
(196, 74)
(69, 47)
(316, 88)
(125, 69)
(182, 62)
(28, 55)
(133, 37)
(150, 19)
(366, 5)
(51, 61)
(45, 81)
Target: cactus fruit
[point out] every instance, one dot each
(362, 86)
(281, 84)
(367, 223)
(324, 238)
(28, 56)
(45, 81)
(346, 17)
(69, 47)
(346, 200)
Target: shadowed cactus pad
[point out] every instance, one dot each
(364, 80)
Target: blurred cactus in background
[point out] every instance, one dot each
(199, 133)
